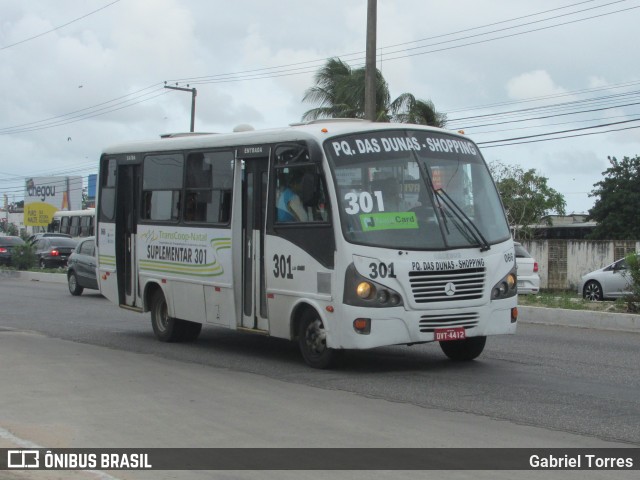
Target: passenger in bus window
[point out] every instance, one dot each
(288, 203)
(190, 208)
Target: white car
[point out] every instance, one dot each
(612, 281)
(528, 277)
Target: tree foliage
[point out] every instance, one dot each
(633, 270)
(339, 92)
(526, 196)
(617, 207)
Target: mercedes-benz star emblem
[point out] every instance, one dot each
(450, 289)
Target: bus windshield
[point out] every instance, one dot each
(415, 190)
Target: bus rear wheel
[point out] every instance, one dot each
(312, 339)
(464, 350)
(169, 329)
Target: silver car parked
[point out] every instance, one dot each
(528, 277)
(612, 281)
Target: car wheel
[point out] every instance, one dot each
(464, 350)
(74, 287)
(592, 291)
(312, 341)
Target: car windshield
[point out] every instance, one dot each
(63, 242)
(416, 190)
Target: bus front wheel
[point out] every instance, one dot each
(169, 329)
(312, 339)
(464, 350)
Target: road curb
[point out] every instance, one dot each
(624, 322)
(35, 276)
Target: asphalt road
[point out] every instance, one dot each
(92, 374)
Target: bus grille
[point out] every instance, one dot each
(446, 286)
(428, 323)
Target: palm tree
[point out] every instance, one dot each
(407, 109)
(339, 90)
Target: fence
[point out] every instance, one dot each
(562, 262)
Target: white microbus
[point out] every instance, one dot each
(77, 223)
(335, 234)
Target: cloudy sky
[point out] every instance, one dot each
(79, 75)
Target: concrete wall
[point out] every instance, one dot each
(561, 263)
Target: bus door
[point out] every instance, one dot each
(127, 186)
(254, 199)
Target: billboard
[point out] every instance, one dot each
(91, 190)
(44, 196)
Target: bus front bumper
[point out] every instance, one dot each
(396, 326)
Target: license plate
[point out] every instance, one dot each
(520, 284)
(447, 334)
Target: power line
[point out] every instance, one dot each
(560, 138)
(265, 72)
(58, 27)
(477, 133)
(548, 116)
(494, 23)
(545, 97)
(79, 117)
(516, 140)
(274, 72)
(511, 35)
(595, 100)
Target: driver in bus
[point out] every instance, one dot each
(288, 204)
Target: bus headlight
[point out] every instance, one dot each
(506, 287)
(362, 292)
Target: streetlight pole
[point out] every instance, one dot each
(194, 92)
(370, 66)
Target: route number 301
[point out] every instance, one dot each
(382, 270)
(282, 266)
(364, 202)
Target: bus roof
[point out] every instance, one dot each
(318, 130)
(70, 213)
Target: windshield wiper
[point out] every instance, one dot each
(464, 219)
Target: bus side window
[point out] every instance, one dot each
(300, 195)
(162, 187)
(74, 228)
(208, 187)
(64, 225)
(107, 189)
(300, 187)
(160, 205)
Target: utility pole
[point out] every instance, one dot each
(370, 109)
(194, 92)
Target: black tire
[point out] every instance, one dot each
(74, 286)
(169, 329)
(312, 341)
(464, 350)
(592, 291)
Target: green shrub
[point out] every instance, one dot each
(23, 256)
(633, 270)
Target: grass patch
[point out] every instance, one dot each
(570, 301)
